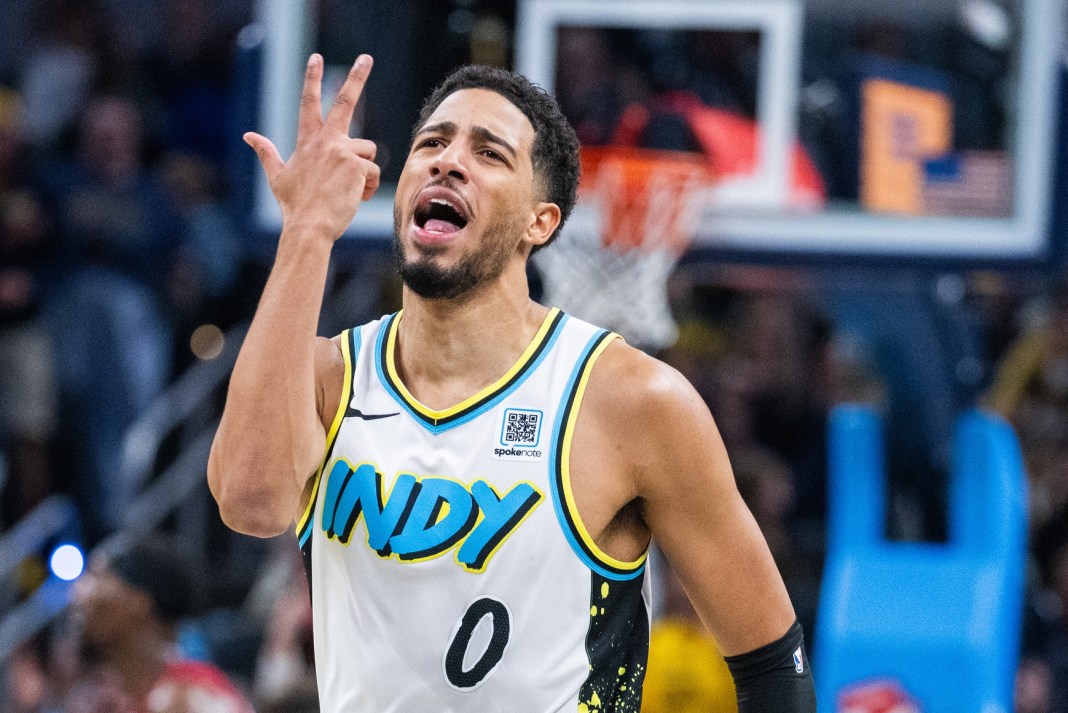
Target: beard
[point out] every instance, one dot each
(474, 269)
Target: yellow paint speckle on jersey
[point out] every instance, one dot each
(593, 611)
(596, 700)
(583, 708)
(604, 590)
(622, 670)
(602, 610)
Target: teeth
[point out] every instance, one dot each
(454, 214)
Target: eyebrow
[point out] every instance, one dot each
(479, 133)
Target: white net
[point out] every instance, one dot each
(621, 290)
(611, 262)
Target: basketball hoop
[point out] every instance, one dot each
(636, 215)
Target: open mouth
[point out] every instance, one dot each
(439, 215)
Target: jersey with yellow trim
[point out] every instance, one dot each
(449, 568)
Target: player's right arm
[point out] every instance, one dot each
(271, 435)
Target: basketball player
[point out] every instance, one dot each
(476, 478)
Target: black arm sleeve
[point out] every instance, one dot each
(775, 678)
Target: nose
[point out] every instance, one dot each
(449, 162)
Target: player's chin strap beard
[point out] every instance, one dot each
(471, 271)
(431, 282)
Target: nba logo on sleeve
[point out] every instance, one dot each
(520, 434)
(799, 664)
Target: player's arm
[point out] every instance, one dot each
(271, 436)
(688, 499)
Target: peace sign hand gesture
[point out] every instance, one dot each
(321, 185)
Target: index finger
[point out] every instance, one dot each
(341, 112)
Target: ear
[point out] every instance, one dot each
(544, 219)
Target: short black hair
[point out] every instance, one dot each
(555, 154)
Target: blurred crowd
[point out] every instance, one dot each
(773, 351)
(119, 236)
(116, 239)
(1031, 390)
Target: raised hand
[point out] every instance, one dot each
(321, 185)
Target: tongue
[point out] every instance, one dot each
(435, 225)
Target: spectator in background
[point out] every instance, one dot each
(589, 85)
(38, 675)
(68, 53)
(202, 282)
(189, 70)
(119, 236)
(25, 686)
(301, 700)
(285, 666)
(27, 377)
(129, 608)
(114, 214)
(1032, 689)
(1030, 389)
(1042, 679)
(279, 604)
(193, 185)
(781, 359)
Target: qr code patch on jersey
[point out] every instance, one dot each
(521, 428)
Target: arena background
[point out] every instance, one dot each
(878, 250)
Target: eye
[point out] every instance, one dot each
(429, 143)
(493, 155)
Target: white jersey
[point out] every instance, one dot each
(449, 569)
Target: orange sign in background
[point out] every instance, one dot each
(901, 127)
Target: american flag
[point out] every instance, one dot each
(968, 183)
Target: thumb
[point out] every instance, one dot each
(269, 157)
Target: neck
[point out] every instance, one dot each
(448, 350)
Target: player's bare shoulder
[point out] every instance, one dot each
(641, 402)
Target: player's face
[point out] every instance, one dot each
(466, 196)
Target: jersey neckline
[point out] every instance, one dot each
(436, 420)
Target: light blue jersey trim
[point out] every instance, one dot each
(554, 488)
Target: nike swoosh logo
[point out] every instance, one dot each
(356, 413)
